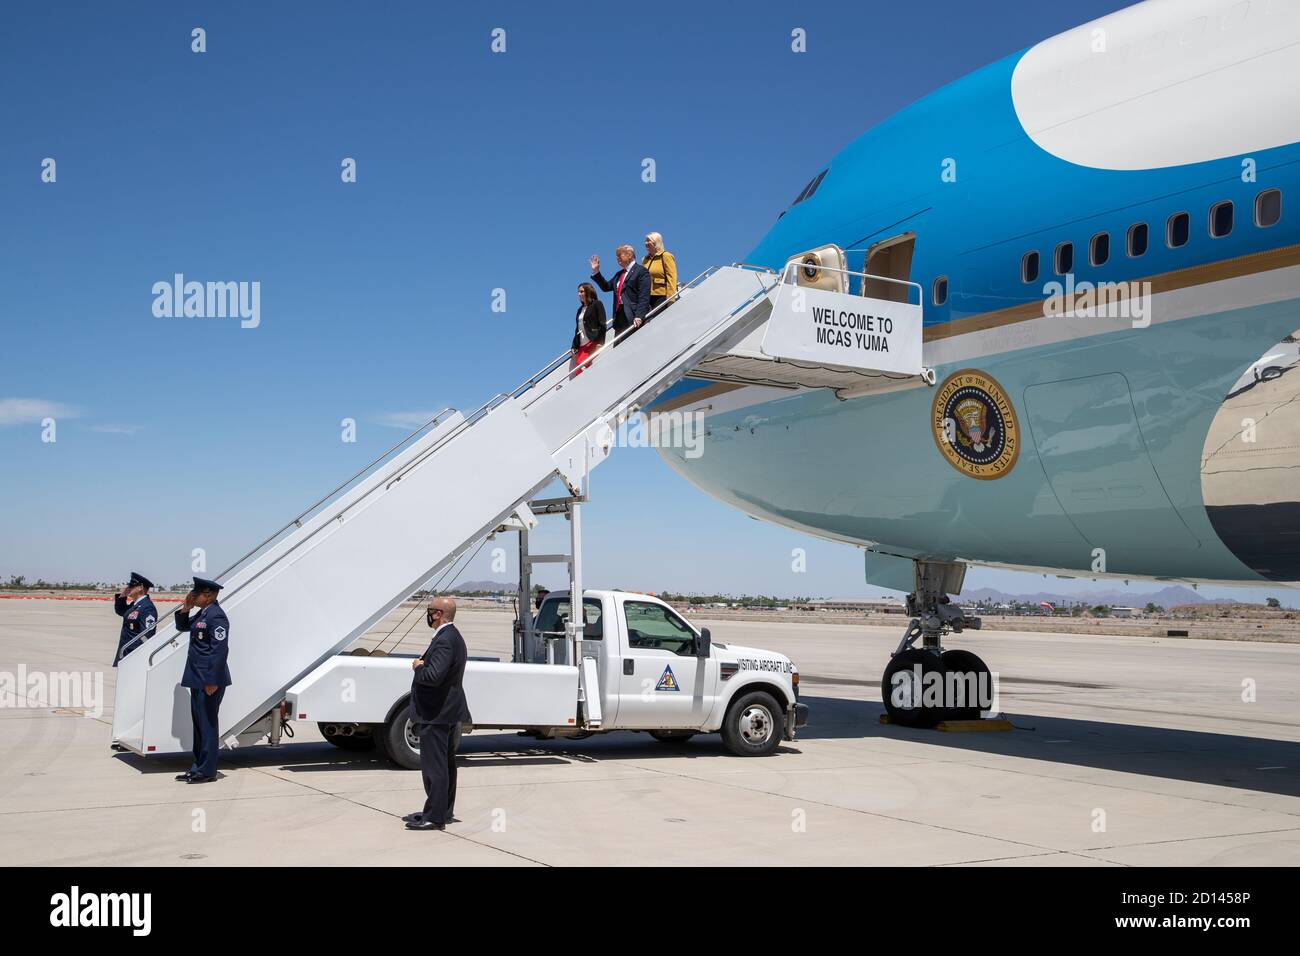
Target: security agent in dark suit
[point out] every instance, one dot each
(438, 709)
(631, 288)
(206, 674)
(135, 608)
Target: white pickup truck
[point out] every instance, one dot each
(642, 667)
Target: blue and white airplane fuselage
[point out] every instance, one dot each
(1142, 437)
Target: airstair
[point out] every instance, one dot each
(336, 570)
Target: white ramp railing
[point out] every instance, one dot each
(336, 570)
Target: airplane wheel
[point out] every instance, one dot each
(964, 663)
(902, 685)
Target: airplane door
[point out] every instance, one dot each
(1092, 450)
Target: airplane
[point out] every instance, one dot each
(1155, 151)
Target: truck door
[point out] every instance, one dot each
(662, 683)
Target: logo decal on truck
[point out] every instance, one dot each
(667, 681)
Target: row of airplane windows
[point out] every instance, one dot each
(1268, 212)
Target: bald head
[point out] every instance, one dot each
(442, 610)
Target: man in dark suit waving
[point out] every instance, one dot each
(631, 288)
(438, 709)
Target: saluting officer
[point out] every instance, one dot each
(206, 674)
(137, 612)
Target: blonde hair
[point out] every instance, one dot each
(626, 249)
(657, 239)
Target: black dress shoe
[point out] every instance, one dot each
(184, 777)
(195, 778)
(423, 824)
(412, 816)
(452, 818)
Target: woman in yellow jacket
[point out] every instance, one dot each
(662, 268)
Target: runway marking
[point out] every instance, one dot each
(859, 682)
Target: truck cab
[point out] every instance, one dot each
(659, 673)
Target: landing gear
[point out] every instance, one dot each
(975, 681)
(903, 688)
(923, 685)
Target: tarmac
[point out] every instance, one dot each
(1125, 751)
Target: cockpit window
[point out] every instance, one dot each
(811, 187)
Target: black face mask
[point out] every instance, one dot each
(428, 616)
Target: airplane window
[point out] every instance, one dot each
(940, 292)
(1099, 249)
(1029, 267)
(1064, 259)
(1268, 208)
(1221, 219)
(1177, 230)
(1137, 239)
(811, 187)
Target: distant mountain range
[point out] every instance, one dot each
(1165, 597)
(496, 586)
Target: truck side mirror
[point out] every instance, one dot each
(703, 643)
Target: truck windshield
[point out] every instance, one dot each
(554, 615)
(655, 627)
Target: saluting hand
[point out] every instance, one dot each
(189, 601)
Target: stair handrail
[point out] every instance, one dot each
(468, 421)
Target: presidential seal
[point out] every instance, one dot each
(975, 425)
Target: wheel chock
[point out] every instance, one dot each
(984, 724)
(974, 726)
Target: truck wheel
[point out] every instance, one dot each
(362, 739)
(672, 736)
(903, 684)
(397, 741)
(754, 725)
(969, 665)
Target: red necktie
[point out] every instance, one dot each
(618, 294)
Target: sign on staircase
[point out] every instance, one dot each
(852, 331)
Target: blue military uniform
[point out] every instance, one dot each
(138, 618)
(205, 666)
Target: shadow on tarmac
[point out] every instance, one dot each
(1248, 763)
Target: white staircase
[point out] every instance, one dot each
(336, 570)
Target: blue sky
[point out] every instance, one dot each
(475, 171)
